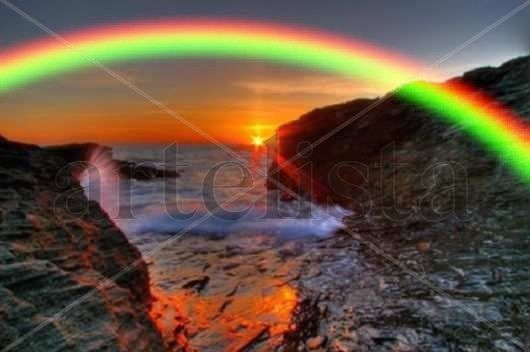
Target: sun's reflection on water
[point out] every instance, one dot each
(196, 322)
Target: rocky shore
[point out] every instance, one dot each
(435, 256)
(60, 252)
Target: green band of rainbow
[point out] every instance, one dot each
(493, 126)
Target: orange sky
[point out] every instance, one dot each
(143, 128)
(230, 101)
(148, 124)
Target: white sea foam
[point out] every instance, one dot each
(150, 206)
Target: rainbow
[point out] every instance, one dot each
(495, 127)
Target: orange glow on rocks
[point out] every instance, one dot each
(191, 321)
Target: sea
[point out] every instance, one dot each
(217, 192)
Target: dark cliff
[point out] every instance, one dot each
(391, 156)
(58, 248)
(439, 230)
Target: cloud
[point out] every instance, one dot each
(310, 85)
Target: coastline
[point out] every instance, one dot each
(336, 293)
(58, 248)
(439, 227)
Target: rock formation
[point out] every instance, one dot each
(398, 146)
(60, 252)
(435, 254)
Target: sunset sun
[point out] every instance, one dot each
(257, 141)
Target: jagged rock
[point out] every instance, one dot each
(198, 284)
(415, 220)
(143, 172)
(398, 146)
(51, 258)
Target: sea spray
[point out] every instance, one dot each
(142, 207)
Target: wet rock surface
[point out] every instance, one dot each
(57, 248)
(234, 293)
(375, 291)
(339, 294)
(435, 256)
